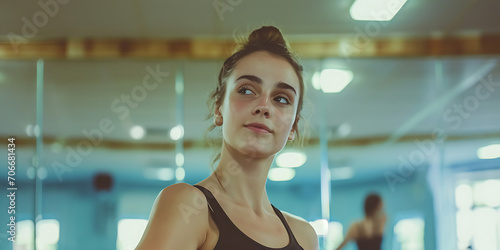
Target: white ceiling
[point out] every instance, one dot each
(187, 19)
(386, 94)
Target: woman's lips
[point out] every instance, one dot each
(257, 129)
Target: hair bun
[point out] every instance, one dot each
(266, 35)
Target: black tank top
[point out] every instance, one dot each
(231, 237)
(374, 243)
(368, 243)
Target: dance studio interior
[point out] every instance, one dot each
(106, 103)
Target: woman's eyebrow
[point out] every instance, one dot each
(251, 78)
(256, 79)
(283, 85)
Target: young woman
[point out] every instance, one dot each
(257, 104)
(368, 232)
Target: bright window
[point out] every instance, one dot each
(320, 226)
(498, 228)
(129, 233)
(409, 234)
(335, 235)
(463, 196)
(484, 236)
(487, 193)
(478, 222)
(465, 228)
(47, 235)
(24, 235)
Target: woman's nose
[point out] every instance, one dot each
(262, 108)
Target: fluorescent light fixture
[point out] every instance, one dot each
(180, 173)
(137, 132)
(163, 174)
(375, 10)
(281, 174)
(489, 152)
(320, 226)
(36, 130)
(334, 80)
(30, 172)
(177, 132)
(42, 173)
(291, 159)
(344, 129)
(56, 147)
(342, 173)
(315, 80)
(179, 159)
(29, 130)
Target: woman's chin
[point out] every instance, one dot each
(249, 149)
(254, 148)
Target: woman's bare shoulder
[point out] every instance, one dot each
(181, 191)
(302, 230)
(178, 220)
(188, 200)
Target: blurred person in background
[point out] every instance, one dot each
(369, 231)
(257, 105)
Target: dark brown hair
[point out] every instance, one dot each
(372, 202)
(266, 38)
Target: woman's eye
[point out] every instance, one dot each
(282, 99)
(245, 91)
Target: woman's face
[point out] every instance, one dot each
(262, 90)
(380, 207)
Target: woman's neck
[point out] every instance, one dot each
(243, 179)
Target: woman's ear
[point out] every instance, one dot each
(218, 116)
(291, 136)
(217, 111)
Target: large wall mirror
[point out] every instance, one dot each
(97, 118)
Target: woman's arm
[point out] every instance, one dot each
(178, 219)
(351, 235)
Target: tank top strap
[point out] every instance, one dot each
(216, 211)
(288, 229)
